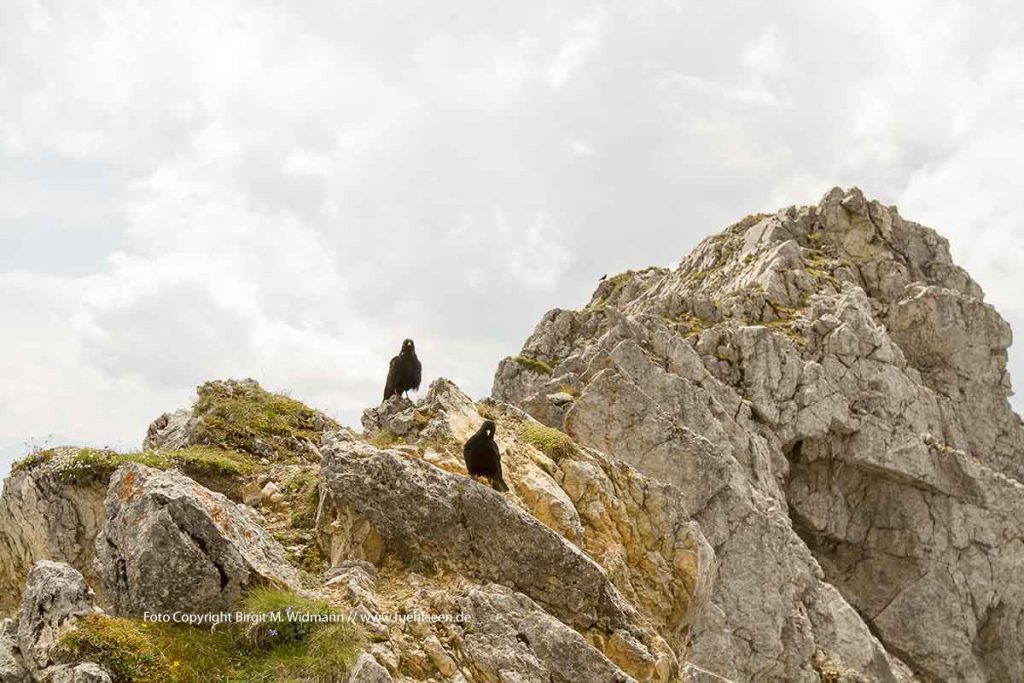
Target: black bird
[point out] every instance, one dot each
(483, 459)
(405, 371)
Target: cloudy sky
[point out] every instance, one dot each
(282, 190)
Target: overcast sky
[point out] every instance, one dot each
(195, 190)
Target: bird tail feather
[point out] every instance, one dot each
(498, 484)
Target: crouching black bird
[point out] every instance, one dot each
(483, 459)
(404, 373)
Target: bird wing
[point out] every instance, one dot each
(496, 455)
(389, 385)
(417, 373)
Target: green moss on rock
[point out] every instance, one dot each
(552, 442)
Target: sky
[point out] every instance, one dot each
(285, 191)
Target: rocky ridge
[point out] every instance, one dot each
(830, 392)
(789, 458)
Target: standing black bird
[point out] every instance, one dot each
(404, 373)
(483, 459)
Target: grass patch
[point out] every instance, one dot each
(385, 438)
(690, 325)
(304, 492)
(552, 442)
(237, 415)
(210, 460)
(282, 648)
(84, 466)
(538, 366)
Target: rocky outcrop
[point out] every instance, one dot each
(55, 596)
(828, 390)
(168, 544)
(478, 631)
(634, 527)
(378, 504)
(45, 516)
(511, 634)
(240, 415)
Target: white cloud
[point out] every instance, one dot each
(537, 255)
(583, 40)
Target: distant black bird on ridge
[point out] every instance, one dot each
(483, 459)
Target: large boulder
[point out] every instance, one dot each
(168, 544)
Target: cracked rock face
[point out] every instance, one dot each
(377, 504)
(829, 393)
(55, 594)
(637, 529)
(168, 544)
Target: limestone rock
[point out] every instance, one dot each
(513, 639)
(171, 431)
(12, 668)
(240, 415)
(377, 504)
(43, 516)
(828, 392)
(80, 673)
(55, 595)
(169, 544)
(637, 529)
(367, 670)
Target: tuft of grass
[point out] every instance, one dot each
(552, 442)
(85, 466)
(386, 439)
(140, 652)
(326, 655)
(122, 646)
(690, 325)
(304, 490)
(238, 415)
(487, 410)
(210, 460)
(284, 613)
(538, 366)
